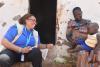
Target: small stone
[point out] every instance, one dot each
(16, 17)
(1, 4)
(4, 24)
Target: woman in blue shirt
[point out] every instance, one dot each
(22, 47)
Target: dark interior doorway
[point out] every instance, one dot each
(45, 12)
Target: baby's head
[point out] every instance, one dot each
(93, 28)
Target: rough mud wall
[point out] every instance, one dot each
(90, 8)
(10, 11)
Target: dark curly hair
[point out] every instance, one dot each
(23, 18)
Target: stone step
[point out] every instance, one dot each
(28, 64)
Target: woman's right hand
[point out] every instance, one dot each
(49, 46)
(26, 49)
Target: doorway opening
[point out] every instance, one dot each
(45, 13)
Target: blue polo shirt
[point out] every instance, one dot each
(21, 41)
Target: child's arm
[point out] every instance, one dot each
(98, 43)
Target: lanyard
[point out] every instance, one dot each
(28, 39)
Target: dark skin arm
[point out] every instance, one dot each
(69, 31)
(98, 43)
(69, 35)
(43, 46)
(69, 38)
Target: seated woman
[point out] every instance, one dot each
(26, 45)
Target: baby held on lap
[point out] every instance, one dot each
(85, 39)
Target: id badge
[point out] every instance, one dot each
(22, 57)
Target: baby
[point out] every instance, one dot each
(85, 41)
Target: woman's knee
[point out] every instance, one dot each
(4, 57)
(36, 51)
